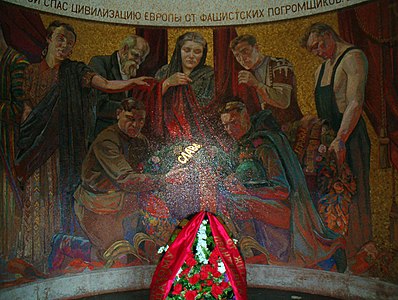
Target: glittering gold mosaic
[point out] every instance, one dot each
(277, 39)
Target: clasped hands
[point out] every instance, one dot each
(178, 78)
(246, 77)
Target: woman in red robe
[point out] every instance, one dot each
(187, 89)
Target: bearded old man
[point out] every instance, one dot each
(121, 64)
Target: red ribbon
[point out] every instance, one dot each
(178, 251)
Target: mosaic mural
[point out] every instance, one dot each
(113, 135)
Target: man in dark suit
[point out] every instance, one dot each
(122, 64)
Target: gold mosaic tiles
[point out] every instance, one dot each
(280, 39)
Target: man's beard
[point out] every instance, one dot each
(129, 67)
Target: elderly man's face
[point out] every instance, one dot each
(236, 123)
(131, 122)
(247, 55)
(131, 58)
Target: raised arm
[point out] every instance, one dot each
(278, 95)
(116, 86)
(277, 90)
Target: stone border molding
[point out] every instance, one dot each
(309, 281)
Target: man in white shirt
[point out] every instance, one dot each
(272, 78)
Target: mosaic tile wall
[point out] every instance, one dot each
(278, 39)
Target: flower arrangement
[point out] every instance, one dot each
(336, 187)
(331, 186)
(203, 274)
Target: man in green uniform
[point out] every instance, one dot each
(268, 189)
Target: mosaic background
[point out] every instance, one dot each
(278, 39)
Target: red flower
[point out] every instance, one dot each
(209, 282)
(203, 274)
(216, 290)
(194, 279)
(177, 289)
(191, 261)
(214, 257)
(215, 273)
(185, 271)
(338, 187)
(224, 285)
(206, 268)
(190, 295)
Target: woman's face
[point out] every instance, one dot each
(191, 54)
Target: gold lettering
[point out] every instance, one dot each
(189, 151)
(182, 160)
(187, 156)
